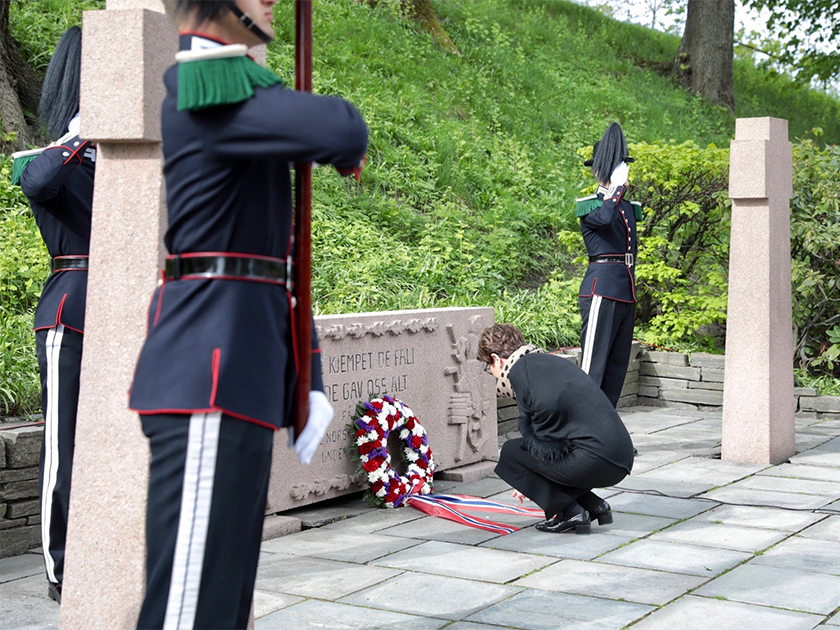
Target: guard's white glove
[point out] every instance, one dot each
(320, 415)
(618, 178)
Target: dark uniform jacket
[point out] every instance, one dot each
(561, 407)
(228, 344)
(59, 186)
(609, 228)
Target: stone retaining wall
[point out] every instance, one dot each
(20, 514)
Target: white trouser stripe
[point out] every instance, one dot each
(197, 494)
(53, 352)
(594, 308)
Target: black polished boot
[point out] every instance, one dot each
(54, 592)
(602, 513)
(580, 523)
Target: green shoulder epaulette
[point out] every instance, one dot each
(20, 161)
(585, 205)
(637, 208)
(219, 76)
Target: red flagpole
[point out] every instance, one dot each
(303, 223)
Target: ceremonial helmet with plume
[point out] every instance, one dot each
(608, 152)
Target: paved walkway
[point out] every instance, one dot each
(696, 543)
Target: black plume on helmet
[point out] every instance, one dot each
(608, 153)
(60, 94)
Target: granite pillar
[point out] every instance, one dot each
(126, 49)
(758, 400)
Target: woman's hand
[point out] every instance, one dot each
(518, 495)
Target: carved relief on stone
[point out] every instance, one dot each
(320, 487)
(466, 407)
(377, 329)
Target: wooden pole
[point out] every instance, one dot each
(303, 224)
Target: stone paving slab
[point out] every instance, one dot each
(431, 528)
(803, 471)
(558, 545)
(714, 472)
(700, 612)
(769, 498)
(266, 602)
(375, 519)
(431, 595)
(609, 581)
(652, 505)
(337, 545)
(472, 563)
(652, 422)
(811, 440)
(761, 517)
(27, 613)
(734, 537)
(676, 558)
(827, 529)
(22, 566)
(804, 554)
(675, 488)
(314, 577)
(313, 614)
(786, 484)
(482, 488)
(653, 459)
(820, 456)
(468, 625)
(544, 610)
(634, 525)
(782, 588)
(317, 515)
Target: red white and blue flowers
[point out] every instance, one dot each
(376, 421)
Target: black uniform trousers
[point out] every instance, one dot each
(59, 351)
(207, 494)
(606, 339)
(557, 486)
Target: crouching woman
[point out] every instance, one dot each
(572, 438)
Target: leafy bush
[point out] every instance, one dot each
(814, 239)
(23, 266)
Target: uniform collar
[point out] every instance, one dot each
(189, 40)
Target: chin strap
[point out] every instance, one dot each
(248, 23)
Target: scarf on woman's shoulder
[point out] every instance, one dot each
(503, 387)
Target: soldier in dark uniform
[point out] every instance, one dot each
(58, 181)
(216, 375)
(572, 438)
(607, 296)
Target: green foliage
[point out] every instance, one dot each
(37, 25)
(815, 234)
(23, 265)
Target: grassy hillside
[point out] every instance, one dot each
(473, 164)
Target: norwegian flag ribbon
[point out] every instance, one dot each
(450, 506)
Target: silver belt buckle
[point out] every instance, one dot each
(629, 259)
(290, 282)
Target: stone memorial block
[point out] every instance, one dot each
(426, 359)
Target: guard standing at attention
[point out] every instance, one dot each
(607, 296)
(216, 375)
(58, 181)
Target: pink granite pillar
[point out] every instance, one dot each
(126, 49)
(758, 401)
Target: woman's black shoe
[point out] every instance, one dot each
(581, 523)
(602, 513)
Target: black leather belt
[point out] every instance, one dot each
(231, 267)
(62, 263)
(628, 259)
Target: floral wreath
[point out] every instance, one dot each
(375, 422)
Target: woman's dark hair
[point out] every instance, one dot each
(501, 339)
(609, 152)
(204, 9)
(60, 94)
